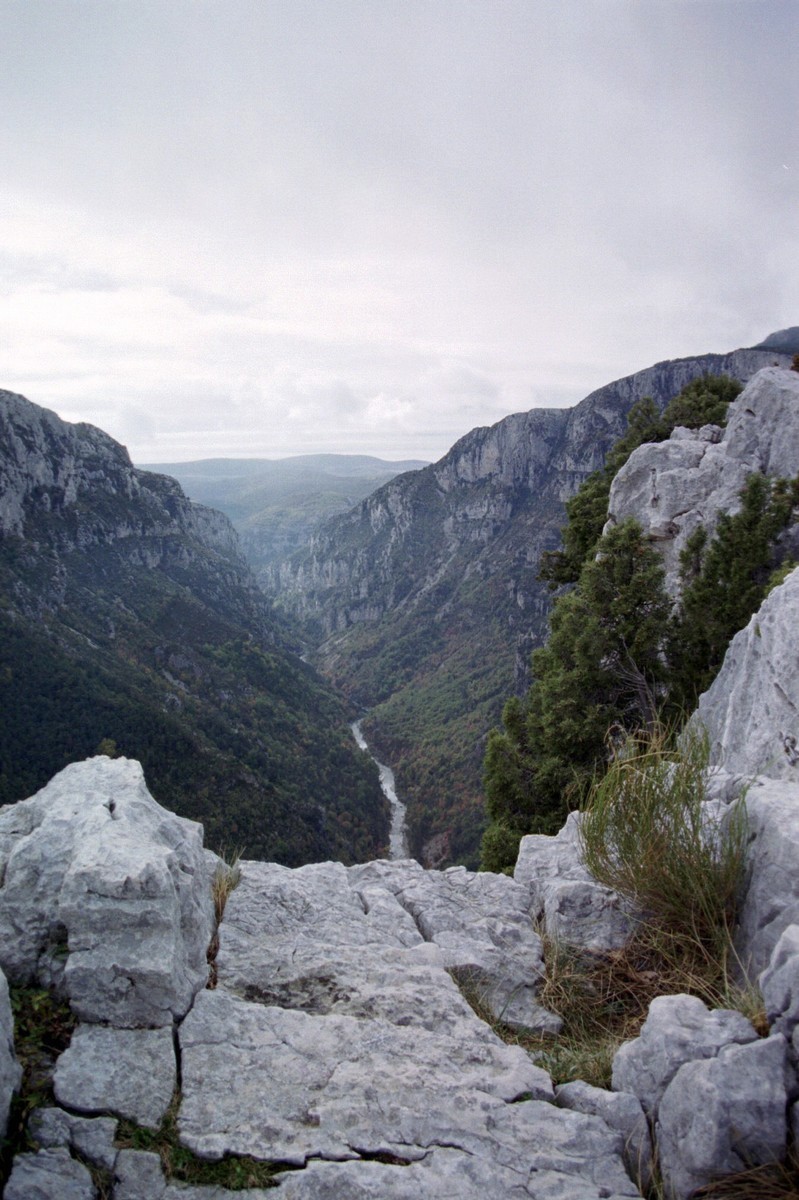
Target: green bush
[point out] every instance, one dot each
(646, 834)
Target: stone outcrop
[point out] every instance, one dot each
(567, 901)
(335, 1040)
(751, 710)
(105, 896)
(672, 488)
(337, 1044)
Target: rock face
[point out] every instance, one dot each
(427, 593)
(751, 710)
(674, 487)
(335, 1040)
(9, 1068)
(105, 895)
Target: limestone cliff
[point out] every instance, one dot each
(425, 596)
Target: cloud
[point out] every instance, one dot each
(270, 228)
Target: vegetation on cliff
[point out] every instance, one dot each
(619, 658)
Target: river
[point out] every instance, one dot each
(398, 834)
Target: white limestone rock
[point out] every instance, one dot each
(138, 1175)
(678, 1029)
(90, 1137)
(337, 1085)
(770, 900)
(482, 926)
(106, 895)
(10, 1070)
(572, 1161)
(49, 1175)
(306, 939)
(621, 1111)
(572, 906)
(722, 1115)
(779, 983)
(673, 487)
(126, 1071)
(751, 710)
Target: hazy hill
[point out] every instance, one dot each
(426, 599)
(128, 615)
(275, 504)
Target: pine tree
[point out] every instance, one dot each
(601, 667)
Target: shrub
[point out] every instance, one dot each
(646, 834)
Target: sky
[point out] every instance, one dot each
(258, 228)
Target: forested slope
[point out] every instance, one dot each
(130, 623)
(425, 598)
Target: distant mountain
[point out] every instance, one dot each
(130, 622)
(426, 600)
(276, 504)
(786, 341)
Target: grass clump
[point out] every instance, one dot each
(225, 879)
(774, 1181)
(181, 1166)
(647, 834)
(43, 1026)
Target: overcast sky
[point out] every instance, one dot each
(270, 227)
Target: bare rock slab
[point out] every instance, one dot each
(49, 1175)
(288, 1086)
(131, 1072)
(482, 925)
(536, 1153)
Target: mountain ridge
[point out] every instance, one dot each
(131, 621)
(425, 598)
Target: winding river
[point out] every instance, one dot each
(398, 835)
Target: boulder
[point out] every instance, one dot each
(130, 1072)
(572, 907)
(779, 983)
(751, 710)
(620, 1111)
(678, 1029)
(10, 1070)
(105, 895)
(723, 1115)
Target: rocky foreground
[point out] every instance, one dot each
(332, 1037)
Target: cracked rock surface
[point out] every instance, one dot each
(337, 1043)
